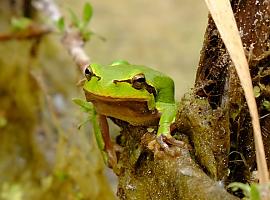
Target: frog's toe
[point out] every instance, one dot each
(162, 141)
(166, 145)
(174, 142)
(112, 158)
(112, 155)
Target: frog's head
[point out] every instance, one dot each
(119, 82)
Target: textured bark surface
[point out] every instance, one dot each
(218, 82)
(144, 176)
(214, 119)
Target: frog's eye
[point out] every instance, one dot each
(88, 73)
(138, 81)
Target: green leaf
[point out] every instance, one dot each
(85, 106)
(266, 104)
(20, 23)
(256, 91)
(87, 13)
(87, 35)
(254, 192)
(74, 18)
(81, 26)
(61, 24)
(244, 187)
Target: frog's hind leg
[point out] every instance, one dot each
(103, 138)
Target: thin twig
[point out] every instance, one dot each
(222, 14)
(34, 31)
(71, 40)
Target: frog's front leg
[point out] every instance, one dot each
(164, 138)
(103, 138)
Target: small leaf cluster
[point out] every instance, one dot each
(21, 23)
(81, 24)
(257, 90)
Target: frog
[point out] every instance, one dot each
(135, 94)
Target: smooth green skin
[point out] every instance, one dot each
(164, 101)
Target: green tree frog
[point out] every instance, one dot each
(136, 94)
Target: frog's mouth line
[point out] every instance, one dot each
(94, 97)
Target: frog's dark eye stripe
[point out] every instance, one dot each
(151, 90)
(121, 81)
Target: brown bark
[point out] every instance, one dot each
(218, 82)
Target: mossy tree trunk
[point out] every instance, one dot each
(213, 119)
(42, 154)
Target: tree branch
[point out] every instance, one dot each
(71, 40)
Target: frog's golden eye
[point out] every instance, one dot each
(138, 81)
(88, 73)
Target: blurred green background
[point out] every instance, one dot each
(164, 34)
(42, 153)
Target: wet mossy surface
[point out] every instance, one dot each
(144, 174)
(44, 156)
